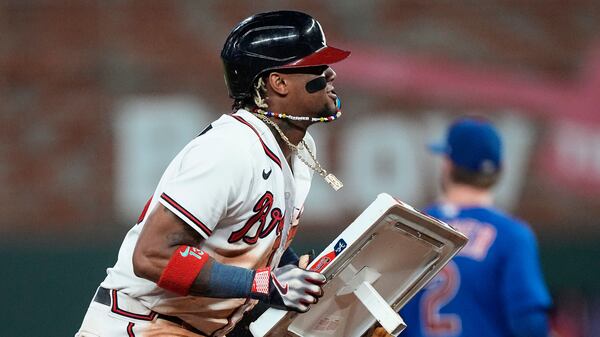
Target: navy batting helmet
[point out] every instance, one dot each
(273, 40)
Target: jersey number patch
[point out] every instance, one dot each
(438, 293)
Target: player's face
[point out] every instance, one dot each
(312, 91)
(331, 106)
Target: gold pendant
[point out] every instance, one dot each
(333, 181)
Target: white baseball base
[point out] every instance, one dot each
(373, 268)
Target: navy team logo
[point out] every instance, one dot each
(326, 259)
(340, 246)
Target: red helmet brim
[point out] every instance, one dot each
(323, 56)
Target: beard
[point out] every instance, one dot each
(327, 111)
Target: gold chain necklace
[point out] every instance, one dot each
(331, 179)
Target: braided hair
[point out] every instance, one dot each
(256, 101)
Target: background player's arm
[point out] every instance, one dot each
(524, 291)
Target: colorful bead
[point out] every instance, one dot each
(298, 118)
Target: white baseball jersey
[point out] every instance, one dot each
(233, 186)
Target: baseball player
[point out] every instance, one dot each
(213, 240)
(494, 286)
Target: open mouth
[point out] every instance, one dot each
(332, 95)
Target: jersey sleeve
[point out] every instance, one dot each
(523, 288)
(210, 176)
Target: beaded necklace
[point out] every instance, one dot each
(263, 115)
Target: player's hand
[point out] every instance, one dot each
(288, 288)
(380, 332)
(304, 260)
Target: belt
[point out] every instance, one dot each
(103, 296)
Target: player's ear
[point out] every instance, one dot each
(278, 83)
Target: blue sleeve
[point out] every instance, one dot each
(531, 324)
(226, 281)
(524, 292)
(289, 256)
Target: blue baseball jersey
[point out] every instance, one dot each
(493, 283)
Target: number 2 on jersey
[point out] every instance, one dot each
(438, 293)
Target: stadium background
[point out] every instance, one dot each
(97, 97)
